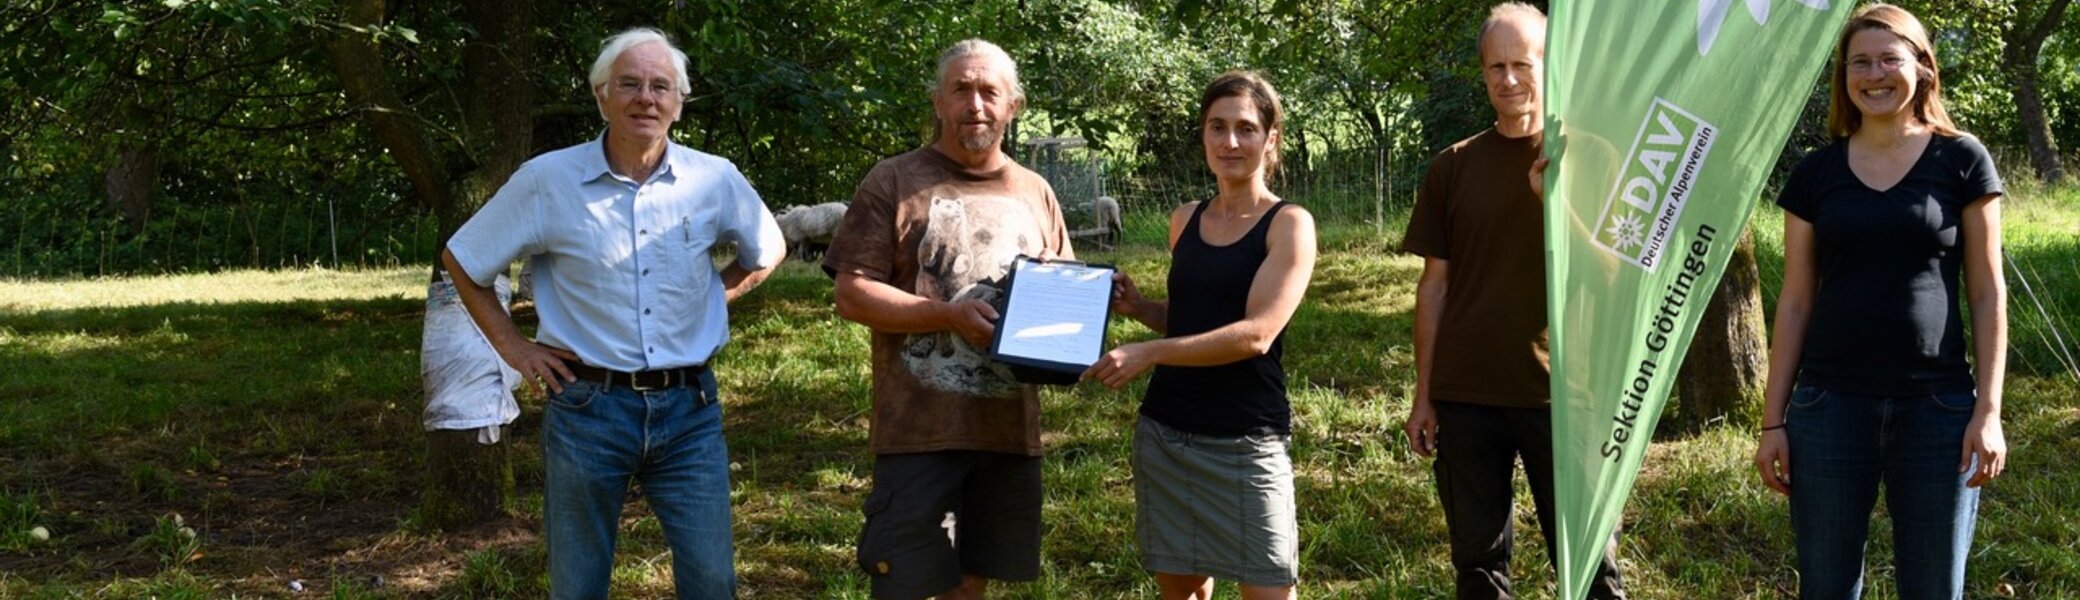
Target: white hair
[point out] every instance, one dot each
(980, 47)
(603, 67)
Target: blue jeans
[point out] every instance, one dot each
(1842, 447)
(594, 439)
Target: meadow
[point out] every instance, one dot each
(255, 434)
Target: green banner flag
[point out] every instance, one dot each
(1663, 119)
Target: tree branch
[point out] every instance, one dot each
(130, 74)
(359, 66)
(216, 122)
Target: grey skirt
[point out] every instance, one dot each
(1215, 506)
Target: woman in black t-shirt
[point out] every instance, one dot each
(1884, 230)
(1213, 485)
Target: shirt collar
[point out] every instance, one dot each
(594, 164)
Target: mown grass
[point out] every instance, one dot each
(275, 416)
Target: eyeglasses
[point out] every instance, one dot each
(1888, 63)
(630, 88)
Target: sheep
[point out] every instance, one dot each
(1106, 213)
(809, 228)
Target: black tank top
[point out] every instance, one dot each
(1209, 288)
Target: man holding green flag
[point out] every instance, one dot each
(1481, 379)
(1661, 166)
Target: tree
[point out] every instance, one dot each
(1722, 375)
(2024, 36)
(468, 483)
(357, 61)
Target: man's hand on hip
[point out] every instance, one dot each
(541, 365)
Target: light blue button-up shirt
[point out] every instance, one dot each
(622, 274)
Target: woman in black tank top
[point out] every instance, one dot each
(1213, 484)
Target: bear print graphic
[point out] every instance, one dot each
(967, 248)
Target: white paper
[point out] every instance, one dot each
(1056, 313)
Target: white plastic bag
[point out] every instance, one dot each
(467, 385)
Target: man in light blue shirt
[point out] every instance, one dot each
(631, 307)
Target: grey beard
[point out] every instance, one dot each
(980, 142)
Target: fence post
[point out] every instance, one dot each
(1379, 193)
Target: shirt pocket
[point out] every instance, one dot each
(694, 233)
(687, 244)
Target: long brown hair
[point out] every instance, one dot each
(1843, 118)
(1270, 112)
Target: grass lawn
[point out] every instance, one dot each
(206, 436)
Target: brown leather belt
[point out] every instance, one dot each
(639, 380)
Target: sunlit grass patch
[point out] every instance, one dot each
(211, 288)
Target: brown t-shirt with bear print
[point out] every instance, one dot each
(929, 226)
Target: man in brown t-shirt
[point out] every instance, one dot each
(1482, 399)
(919, 258)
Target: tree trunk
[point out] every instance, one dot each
(2019, 63)
(467, 483)
(498, 107)
(1298, 145)
(1722, 376)
(2029, 113)
(133, 184)
(473, 481)
(359, 66)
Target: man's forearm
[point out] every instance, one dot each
(482, 304)
(882, 307)
(737, 280)
(1430, 298)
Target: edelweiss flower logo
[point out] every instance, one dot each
(1626, 232)
(1711, 15)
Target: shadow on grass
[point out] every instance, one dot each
(283, 432)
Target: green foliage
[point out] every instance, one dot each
(261, 153)
(322, 485)
(173, 584)
(485, 575)
(200, 458)
(152, 481)
(256, 140)
(2042, 262)
(172, 541)
(350, 588)
(1971, 38)
(20, 516)
(2060, 71)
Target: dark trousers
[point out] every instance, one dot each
(1477, 451)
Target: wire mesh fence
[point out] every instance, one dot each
(1362, 185)
(53, 238)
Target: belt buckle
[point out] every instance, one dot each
(635, 382)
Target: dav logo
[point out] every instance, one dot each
(1654, 184)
